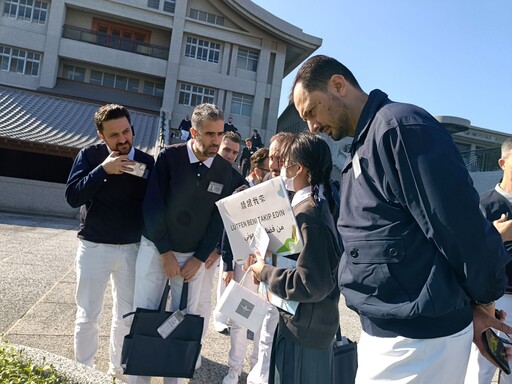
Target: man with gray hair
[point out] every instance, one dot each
(181, 221)
(496, 205)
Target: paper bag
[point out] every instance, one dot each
(243, 306)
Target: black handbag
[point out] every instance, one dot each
(345, 361)
(146, 353)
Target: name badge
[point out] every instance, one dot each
(215, 187)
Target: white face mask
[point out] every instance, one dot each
(288, 183)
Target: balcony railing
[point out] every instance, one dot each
(482, 160)
(114, 42)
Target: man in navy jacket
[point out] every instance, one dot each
(110, 198)
(422, 267)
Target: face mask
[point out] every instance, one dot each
(288, 183)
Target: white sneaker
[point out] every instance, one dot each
(232, 376)
(221, 327)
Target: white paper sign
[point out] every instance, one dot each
(266, 204)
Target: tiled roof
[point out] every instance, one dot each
(33, 117)
(104, 95)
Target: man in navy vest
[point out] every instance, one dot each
(496, 205)
(181, 221)
(108, 182)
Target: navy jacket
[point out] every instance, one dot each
(110, 205)
(417, 248)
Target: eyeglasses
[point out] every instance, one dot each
(288, 166)
(264, 169)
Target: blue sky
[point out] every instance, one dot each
(451, 57)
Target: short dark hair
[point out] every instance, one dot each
(231, 136)
(109, 112)
(258, 157)
(316, 72)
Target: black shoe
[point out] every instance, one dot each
(250, 335)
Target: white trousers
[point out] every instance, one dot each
(402, 360)
(184, 135)
(238, 334)
(259, 373)
(204, 307)
(150, 282)
(95, 264)
(480, 370)
(220, 321)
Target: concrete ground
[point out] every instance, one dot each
(37, 283)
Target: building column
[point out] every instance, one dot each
(50, 64)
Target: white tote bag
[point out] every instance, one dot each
(243, 306)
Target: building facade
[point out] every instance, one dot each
(154, 55)
(61, 59)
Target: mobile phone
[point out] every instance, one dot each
(496, 349)
(138, 169)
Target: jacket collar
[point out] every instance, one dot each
(376, 99)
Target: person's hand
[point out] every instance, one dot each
(190, 268)
(241, 188)
(257, 263)
(504, 227)
(116, 164)
(211, 260)
(170, 264)
(483, 319)
(227, 277)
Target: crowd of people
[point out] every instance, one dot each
(403, 240)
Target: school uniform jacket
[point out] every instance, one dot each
(312, 282)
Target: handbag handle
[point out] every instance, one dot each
(183, 299)
(338, 334)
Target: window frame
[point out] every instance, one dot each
(30, 11)
(192, 95)
(247, 59)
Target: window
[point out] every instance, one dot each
(247, 59)
(19, 61)
(202, 50)
(154, 89)
(71, 72)
(241, 104)
(169, 6)
(27, 10)
(193, 95)
(155, 4)
(112, 80)
(205, 16)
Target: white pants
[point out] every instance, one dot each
(259, 373)
(150, 282)
(238, 334)
(220, 320)
(480, 370)
(204, 307)
(95, 264)
(403, 360)
(184, 135)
